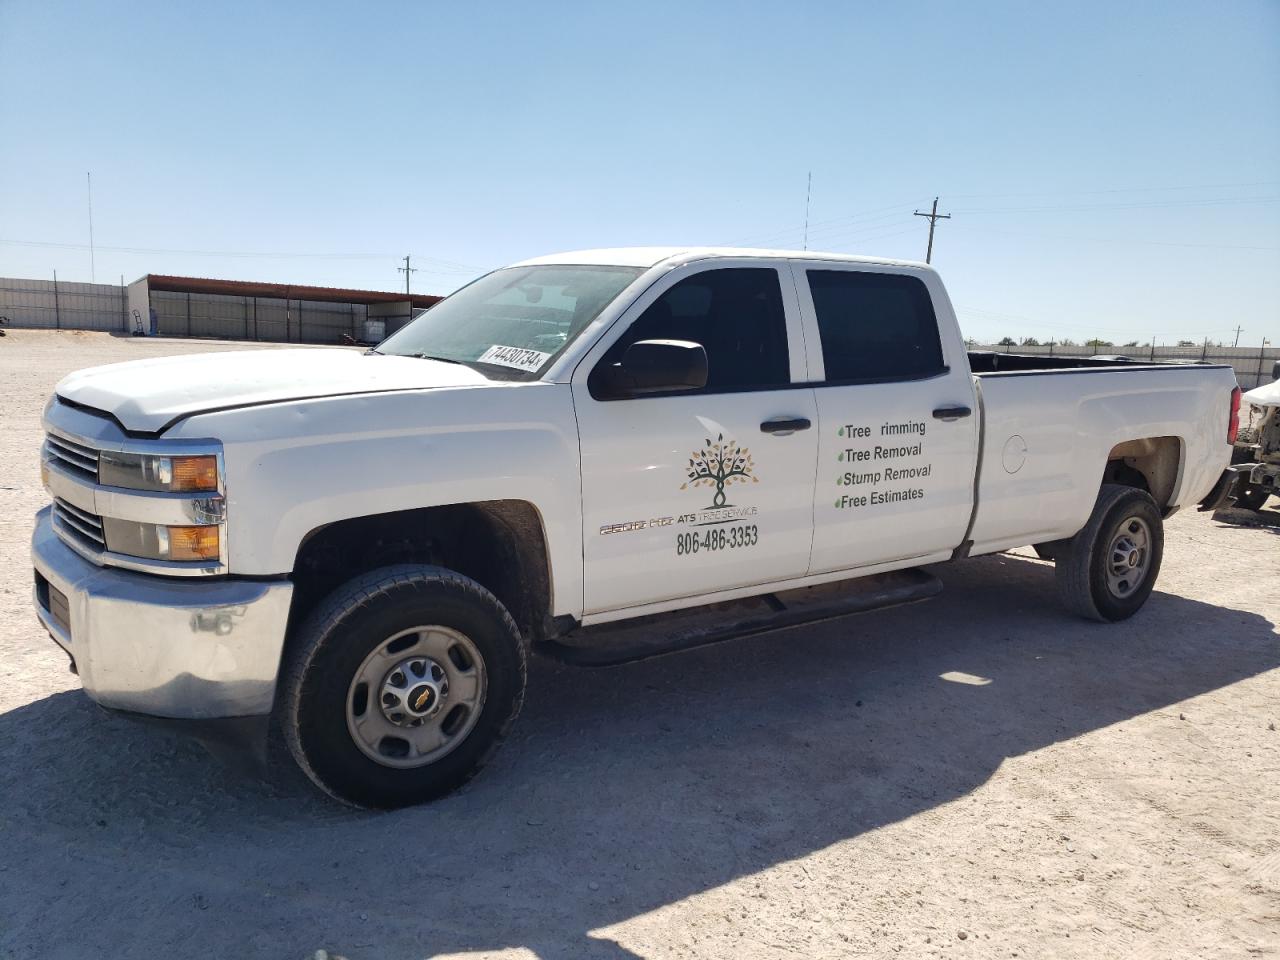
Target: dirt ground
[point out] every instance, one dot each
(976, 776)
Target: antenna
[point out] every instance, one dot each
(92, 269)
(808, 191)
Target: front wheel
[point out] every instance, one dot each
(401, 685)
(1107, 570)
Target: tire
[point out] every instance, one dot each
(1253, 498)
(469, 666)
(1093, 579)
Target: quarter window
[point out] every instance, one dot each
(737, 316)
(875, 326)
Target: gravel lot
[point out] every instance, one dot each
(976, 776)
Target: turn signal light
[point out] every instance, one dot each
(193, 543)
(194, 473)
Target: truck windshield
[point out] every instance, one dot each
(512, 323)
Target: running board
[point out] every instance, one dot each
(657, 635)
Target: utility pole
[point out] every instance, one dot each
(934, 216)
(1238, 329)
(406, 270)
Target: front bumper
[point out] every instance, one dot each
(178, 648)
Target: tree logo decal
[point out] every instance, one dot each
(718, 465)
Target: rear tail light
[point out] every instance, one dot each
(1233, 424)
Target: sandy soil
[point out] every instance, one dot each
(976, 776)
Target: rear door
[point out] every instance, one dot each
(898, 428)
(690, 493)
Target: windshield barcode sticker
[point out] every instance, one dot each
(518, 357)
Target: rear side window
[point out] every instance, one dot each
(737, 316)
(875, 326)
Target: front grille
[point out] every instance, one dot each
(79, 525)
(75, 457)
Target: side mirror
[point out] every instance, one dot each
(655, 366)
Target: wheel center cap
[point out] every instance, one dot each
(422, 699)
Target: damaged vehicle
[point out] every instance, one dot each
(1257, 455)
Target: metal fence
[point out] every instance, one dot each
(56, 304)
(1252, 364)
(256, 318)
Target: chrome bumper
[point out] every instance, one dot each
(165, 647)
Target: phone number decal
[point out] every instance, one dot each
(718, 538)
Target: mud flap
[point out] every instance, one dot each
(1229, 485)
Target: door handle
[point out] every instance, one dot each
(781, 426)
(951, 413)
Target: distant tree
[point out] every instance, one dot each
(1132, 343)
(1095, 343)
(1029, 342)
(1067, 342)
(1007, 342)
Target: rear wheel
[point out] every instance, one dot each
(1107, 570)
(401, 685)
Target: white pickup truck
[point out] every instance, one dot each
(365, 548)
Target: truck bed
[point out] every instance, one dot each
(991, 361)
(1049, 427)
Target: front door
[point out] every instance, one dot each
(700, 491)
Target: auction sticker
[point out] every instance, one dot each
(519, 357)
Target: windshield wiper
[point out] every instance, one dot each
(428, 356)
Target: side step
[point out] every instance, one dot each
(659, 634)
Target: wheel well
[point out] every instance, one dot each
(1151, 464)
(498, 543)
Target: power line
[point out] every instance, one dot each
(934, 216)
(1133, 205)
(1122, 240)
(443, 266)
(1081, 193)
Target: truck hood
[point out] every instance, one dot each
(148, 395)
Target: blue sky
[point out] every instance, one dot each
(1113, 168)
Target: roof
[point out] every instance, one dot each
(652, 256)
(283, 291)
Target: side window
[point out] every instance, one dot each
(875, 326)
(737, 316)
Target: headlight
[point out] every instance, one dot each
(144, 471)
(154, 541)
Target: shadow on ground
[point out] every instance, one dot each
(622, 790)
